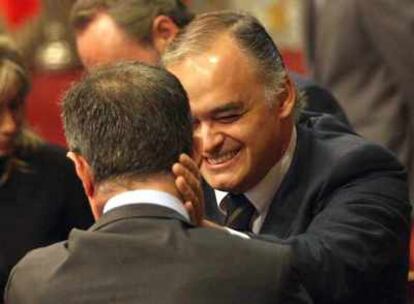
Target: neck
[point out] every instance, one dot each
(107, 190)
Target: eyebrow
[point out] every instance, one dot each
(231, 106)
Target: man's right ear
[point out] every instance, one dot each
(84, 172)
(164, 31)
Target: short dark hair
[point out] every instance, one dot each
(250, 36)
(134, 16)
(128, 120)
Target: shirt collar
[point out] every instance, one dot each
(262, 194)
(154, 197)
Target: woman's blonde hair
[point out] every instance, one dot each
(14, 76)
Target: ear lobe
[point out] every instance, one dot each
(164, 31)
(84, 173)
(287, 99)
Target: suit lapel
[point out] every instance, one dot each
(285, 209)
(138, 211)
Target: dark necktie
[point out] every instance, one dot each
(239, 212)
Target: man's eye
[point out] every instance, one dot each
(228, 118)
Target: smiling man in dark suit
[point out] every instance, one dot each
(340, 201)
(126, 125)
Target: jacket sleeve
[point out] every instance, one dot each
(359, 233)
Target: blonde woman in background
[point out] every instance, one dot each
(41, 199)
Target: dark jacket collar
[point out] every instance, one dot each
(137, 211)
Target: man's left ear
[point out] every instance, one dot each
(287, 99)
(164, 31)
(84, 173)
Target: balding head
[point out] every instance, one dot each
(114, 30)
(103, 41)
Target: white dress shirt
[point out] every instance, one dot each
(262, 194)
(154, 197)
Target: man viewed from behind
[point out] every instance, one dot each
(126, 125)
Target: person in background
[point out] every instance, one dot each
(41, 199)
(141, 30)
(339, 200)
(361, 50)
(126, 125)
(133, 29)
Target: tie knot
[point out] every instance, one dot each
(239, 212)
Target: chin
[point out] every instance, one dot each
(222, 183)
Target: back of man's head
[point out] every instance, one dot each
(134, 16)
(128, 120)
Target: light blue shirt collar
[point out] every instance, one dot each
(154, 197)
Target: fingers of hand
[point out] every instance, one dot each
(190, 164)
(185, 190)
(188, 177)
(190, 209)
(196, 156)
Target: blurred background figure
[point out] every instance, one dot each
(43, 33)
(362, 50)
(41, 199)
(141, 30)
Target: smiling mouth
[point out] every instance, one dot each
(222, 158)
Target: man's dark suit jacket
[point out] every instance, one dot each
(343, 206)
(150, 254)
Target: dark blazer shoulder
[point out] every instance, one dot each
(209, 253)
(330, 161)
(328, 147)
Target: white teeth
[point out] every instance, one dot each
(222, 158)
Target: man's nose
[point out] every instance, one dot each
(207, 138)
